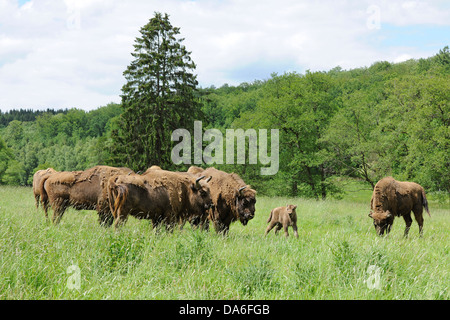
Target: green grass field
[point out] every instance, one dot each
(337, 256)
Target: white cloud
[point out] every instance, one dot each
(402, 57)
(415, 12)
(71, 53)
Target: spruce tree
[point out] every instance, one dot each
(159, 96)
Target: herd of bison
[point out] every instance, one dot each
(198, 196)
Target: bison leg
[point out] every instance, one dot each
(59, 206)
(278, 228)
(221, 228)
(286, 233)
(418, 215)
(170, 226)
(44, 204)
(37, 199)
(294, 226)
(121, 218)
(204, 225)
(105, 218)
(156, 223)
(58, 212)
(388, 228)
(408, 221)
(270, 227)
(120, 221)
(170, 221)
(199, 222)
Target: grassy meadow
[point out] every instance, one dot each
(337, 256)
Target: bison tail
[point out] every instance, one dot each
(270, 217)
(425, 203)
(111, 195)
(43, 195)
(37, 198)
(117, 199)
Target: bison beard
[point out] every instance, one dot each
(393, 198)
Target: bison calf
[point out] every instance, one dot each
(283, 217)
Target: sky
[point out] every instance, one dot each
(72, 53)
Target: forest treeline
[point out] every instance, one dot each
(364, 123)
(25, 115)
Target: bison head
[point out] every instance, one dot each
(290, 209)
(382, 221)
(245, 204)
(201, 195)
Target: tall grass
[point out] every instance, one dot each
(334, 257)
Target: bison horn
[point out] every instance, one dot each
(240, 189)
(209, 179)
(198, 180)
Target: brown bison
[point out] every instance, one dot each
(393, 198)
(132, 195)
(233, 199)
(283, 217)
(82, 190)
(37, 178)
(159, 195)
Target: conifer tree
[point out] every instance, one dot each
(159, 96)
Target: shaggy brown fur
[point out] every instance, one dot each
(393, 198)
(82, 190)
(154, 167)
(37, 177)
(233, 199)
(283, 217)
(133, 195)
(195, 170)
(185, 197)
